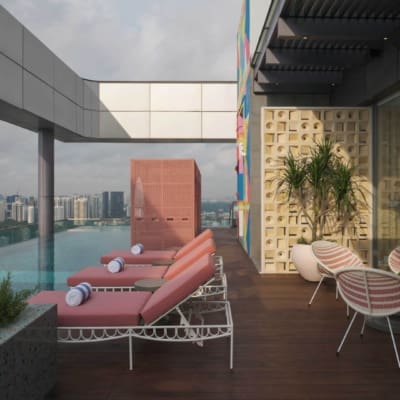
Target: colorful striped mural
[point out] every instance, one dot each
(243, 128)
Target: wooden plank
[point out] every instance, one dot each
(283, 350)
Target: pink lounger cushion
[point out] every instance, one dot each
(188, 247)
(147, 257)
(207, 247)
(177, 289)
(100, 276)
(101, 309)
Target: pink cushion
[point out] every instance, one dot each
(188, 247)
(177, 289)
(207, 247)
(102, 308)
(100, 276)
(145, 258)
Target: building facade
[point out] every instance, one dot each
(310, 70)
(117, 205)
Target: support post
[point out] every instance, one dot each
(46, 209)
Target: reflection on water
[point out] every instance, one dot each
(74, 249)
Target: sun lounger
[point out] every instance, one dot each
(159, 256)
(109, 316)
(103, 280)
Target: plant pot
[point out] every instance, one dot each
(305, 262)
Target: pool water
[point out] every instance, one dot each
(73, 250)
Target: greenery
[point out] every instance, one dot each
(324, 188)
(302, 240)
(11, 303)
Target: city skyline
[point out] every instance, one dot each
(94, 40)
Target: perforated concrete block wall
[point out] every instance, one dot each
(297, 130)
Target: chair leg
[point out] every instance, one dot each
(131, 352)
(363, 327)
(346, 333)
(393, 341)
(231, 352)
(316, 290)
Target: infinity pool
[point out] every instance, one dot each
(74, 249)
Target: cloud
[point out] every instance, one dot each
(126, 40)
(137, 40)
(106, 166)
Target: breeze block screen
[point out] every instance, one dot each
(297, 130)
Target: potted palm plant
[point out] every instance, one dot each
(327, 194)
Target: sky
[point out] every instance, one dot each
(152, 40)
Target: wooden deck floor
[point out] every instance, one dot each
(283, 350)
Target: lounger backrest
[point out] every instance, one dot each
(188, 247)
(207, 247)
(174, 291)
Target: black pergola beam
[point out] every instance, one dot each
(339, 58)
(296, 77)
(335, 29)
(288, 88)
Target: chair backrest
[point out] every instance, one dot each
(331, 256)
(369, 291)
(188, 247)
(174, 291)
(394, 260)
(207, 247)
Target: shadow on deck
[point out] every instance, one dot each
(283, 350)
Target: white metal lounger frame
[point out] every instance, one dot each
(216, 286)
(184, 332)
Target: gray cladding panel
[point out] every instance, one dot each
(11, 87)
(64, 112)
(38, 59)
(65, 80)
(91, 95)
(79, 121)
(95, 124)
(79, 90)
(10, 36)
(38, 97)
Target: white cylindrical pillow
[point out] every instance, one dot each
(116, 265)
(78, 294)
(137, 249)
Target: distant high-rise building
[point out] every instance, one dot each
(18, 211)
(9, 201)
(117, 205)
(31, 214)
(2, 210)
(68, 203)
(95, 209)
(59, 213)
(105, 205)
(80, 208)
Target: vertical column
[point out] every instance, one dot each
(46, 209)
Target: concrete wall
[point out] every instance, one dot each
(168, 110)
(38, 90)
(256, 212)
(370, 82)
